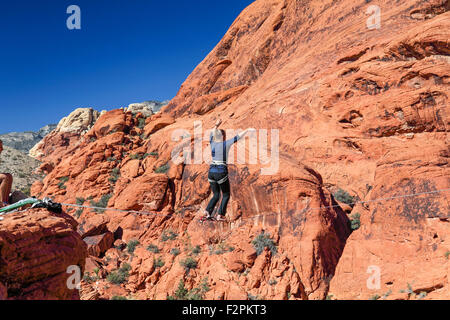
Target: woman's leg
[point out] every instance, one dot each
(6, 180)
(216, 197)
(225, 188)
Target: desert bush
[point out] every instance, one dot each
(189, 263)
(119, 276)
(78, 213)
(131, 246)
(355, 221)
(115, 175)
(88, 278)
(102, 203)
(141, 123)
(168, 235)
(195, 294)
(163, 169)
(62, 182)
(221, 249)
(153, 248)
(196, 250)
(272, 282)
(158, 263)
(263, 241)
(343, 196)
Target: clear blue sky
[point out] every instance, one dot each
(126, 51)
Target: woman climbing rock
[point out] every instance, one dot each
(6, 181)
(218, 171)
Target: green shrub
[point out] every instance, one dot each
(221, 249)
(387, 294)
(88, 278)
(447, 254)
(163, 169)
(80, 201)
(189, 263)
(355, 221)
(78, 213)
(158, 263)
(153, 248)
(175, 251)
(409, 290)
(196, 250)
(141, 123)
(195, 294)
(111, 159)
(272, 282)
(62, 186)
(136, 156)
(131, 246)
(118, 298)
(102, 203)
(119, 276)
(115, 175)
(345, 197)
(62, 182)
(168, 235)
(263, 241)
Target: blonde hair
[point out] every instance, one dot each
(218, 135)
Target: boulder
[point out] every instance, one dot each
(37, 248)
(97, 245)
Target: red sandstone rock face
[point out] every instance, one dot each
(357, 109)
(408, 238)
(37, 247)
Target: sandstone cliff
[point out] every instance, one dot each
(362, 114)
(36, 249)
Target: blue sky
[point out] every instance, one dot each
(126, 51)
